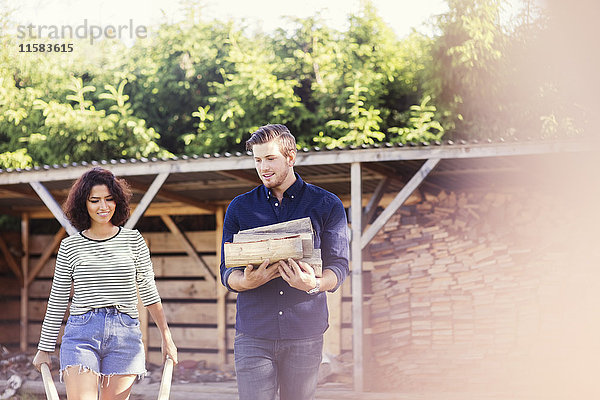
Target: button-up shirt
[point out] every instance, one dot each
(276, 310)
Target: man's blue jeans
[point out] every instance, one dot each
(262, 366)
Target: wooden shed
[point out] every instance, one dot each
(409, 207)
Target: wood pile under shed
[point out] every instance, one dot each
(474, 290)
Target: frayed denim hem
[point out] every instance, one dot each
(82, 369)
(104, 378)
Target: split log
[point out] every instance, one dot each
(315, 261)
(296, 226)
(307, 239)
(242, 254)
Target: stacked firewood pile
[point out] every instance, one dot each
(463, 286)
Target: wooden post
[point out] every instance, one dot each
(357, 301)
(221, 293)
(24, 325)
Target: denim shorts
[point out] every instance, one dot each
(104, 341)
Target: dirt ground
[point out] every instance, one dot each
(193, 381)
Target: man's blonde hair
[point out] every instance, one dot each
(266, 133)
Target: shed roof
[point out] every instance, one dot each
(217, 178)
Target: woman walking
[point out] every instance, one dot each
(101, 351)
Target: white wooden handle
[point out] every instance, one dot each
(51, 392)
(165, 382)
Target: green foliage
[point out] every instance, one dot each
(80, 132)
(469, 73)
(173, 72)
(422, 125)
(250, 95)
(203, 86)
(15, 159)
(361, 125)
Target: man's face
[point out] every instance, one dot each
(274, 169)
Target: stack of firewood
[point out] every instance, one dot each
(291, 239)
(457, 283)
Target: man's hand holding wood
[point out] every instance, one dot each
(297, 274)
(252, 277)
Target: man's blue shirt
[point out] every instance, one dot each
(276, 310)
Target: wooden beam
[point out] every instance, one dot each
(469, 171)
(189, 248)
(154, 210)
(24, 192)
(53, 206)
(400, 198)
(374, 201)
(382, 170)
(12, 263)
(45, 255)
(244, 175)
(244, 162)
(221, 292)
(24, 317)
(173, 196)
(357, 297)
(146, 200)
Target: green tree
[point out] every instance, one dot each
(80, 132)
(250, 95)
(469, 69)
(422, 127)
(361, 125)
(173, 72)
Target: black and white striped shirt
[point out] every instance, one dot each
(104, 273)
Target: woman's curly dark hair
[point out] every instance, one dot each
(75, 207)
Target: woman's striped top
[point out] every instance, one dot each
(104, 273)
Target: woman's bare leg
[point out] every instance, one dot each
(80, 384)
(116, 387)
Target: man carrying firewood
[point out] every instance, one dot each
(282, 306)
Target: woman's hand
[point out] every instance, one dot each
(168, 349)
(166, 345)
(40, 358)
